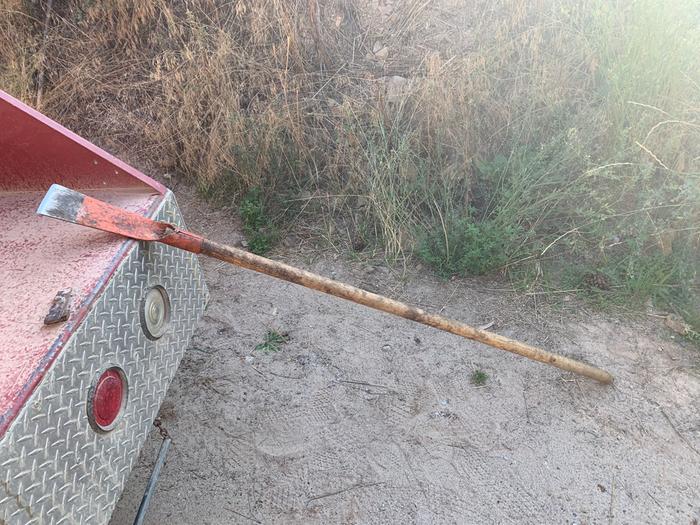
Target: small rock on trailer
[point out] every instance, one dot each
(92, 326)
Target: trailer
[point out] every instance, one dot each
(92, 325)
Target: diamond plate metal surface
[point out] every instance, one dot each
(54, 468)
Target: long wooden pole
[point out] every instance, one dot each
(69, 205)
(357, 295)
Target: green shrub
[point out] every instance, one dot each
(461, 246)
(258, 226)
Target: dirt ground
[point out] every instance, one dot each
(366, 418)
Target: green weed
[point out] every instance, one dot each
(258, 226)
(479, 378)
(272, 342)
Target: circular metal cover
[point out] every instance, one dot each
(155, 312)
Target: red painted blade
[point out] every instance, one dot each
(71, 206)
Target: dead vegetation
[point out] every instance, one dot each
(481, 135)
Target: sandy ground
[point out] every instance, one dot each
(366, 418)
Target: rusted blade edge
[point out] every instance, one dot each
(71, 206)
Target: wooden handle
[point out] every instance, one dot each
(310, 280)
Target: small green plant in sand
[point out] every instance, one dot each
(257, 223)
(272, 342)
(479, 378)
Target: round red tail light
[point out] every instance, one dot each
(107, 399)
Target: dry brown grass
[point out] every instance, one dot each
(191, 85)
(532, 119)
(19, 48)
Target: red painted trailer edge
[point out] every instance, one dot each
(26, 129)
